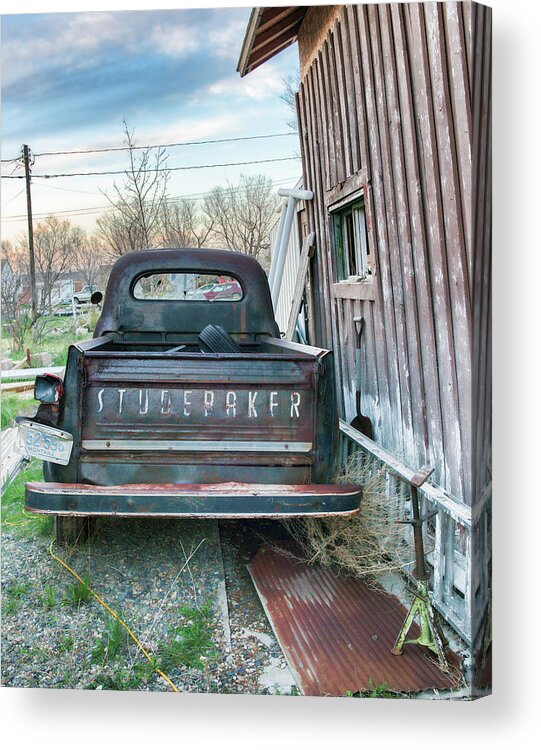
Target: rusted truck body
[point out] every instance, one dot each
(152, 419)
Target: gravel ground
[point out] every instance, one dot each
(256, 663)
(172, 582)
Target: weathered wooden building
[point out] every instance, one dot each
(394, 122)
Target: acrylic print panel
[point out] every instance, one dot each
(279, 418)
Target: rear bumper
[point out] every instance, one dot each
(224, 500)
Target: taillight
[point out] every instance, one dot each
(48, 388)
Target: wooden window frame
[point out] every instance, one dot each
(346, 285)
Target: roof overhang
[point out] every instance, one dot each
(269, 31)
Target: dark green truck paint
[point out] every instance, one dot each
(161, 428)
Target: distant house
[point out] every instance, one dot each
(63, 289)
(5, 268)
(394, 122)
(14, 291)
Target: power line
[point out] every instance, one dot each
(156, 169)
(161, 145)
(90, 210)
(15, 197)
(167, 145)
(66, 190)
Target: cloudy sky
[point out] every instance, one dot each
(69, 80)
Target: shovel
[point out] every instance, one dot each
(360, 422)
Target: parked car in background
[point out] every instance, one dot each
(229, 290)
(85, 294)
(200, 292)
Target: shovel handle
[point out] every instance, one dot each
(359, 325)
(357, 370)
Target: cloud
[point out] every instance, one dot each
(176, 41)
(72, 43)
(37, 43)
(192, 129)
(71, 76)
(87, 32)
(225, 42)
(259, 85)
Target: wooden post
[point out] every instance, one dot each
(26, 159)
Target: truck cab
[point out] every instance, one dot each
(187, 405)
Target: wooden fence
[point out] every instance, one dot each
(457, 538)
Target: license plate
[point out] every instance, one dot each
(42, 441)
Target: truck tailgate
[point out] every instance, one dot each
(196, 405)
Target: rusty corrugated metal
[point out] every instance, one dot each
(336, 633)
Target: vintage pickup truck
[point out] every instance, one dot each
(183, 405)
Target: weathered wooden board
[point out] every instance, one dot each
(423, 311)
(27, 385)
(307, 248)
(10, 461)
(396, 99)
(482, 227)
(29, 373)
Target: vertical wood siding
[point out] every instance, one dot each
(396, 99)
(482, 240)
(480, 76)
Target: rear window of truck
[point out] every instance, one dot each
(189, 287)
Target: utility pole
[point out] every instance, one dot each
(26, 159)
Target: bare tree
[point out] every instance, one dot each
(88, 259)
(137, 202)
(243, 215)
(56, 243)
(289, 93)
(118, 234)
(15, 316)
(183, 224)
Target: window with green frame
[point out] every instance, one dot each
(352, 253)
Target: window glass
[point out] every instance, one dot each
(351, 245)
(187, 287)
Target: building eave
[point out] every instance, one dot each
(269, 31)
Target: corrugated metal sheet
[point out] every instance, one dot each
(336, 633)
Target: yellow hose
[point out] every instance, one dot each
(114, 614)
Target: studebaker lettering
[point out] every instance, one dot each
(199, 403)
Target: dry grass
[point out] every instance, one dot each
(369, 544)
